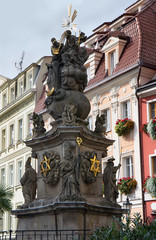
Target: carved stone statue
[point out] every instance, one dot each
(70, 186)
(99, 128)
(38, 124)
(68, 115)
(67, 77)
(109, 179)
(29, 183)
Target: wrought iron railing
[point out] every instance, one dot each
(45, 235)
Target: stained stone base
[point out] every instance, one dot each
(66, 215)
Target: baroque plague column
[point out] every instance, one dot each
(69, 178)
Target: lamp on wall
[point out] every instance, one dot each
(127, 205)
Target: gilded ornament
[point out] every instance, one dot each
(45, 167)
(79, 141)
(95, 167)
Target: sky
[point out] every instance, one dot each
(29, 25)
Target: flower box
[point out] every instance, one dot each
(150, 128)
(150, 185)
(123, 126)
(127, 185)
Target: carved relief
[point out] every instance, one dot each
(50, 168)
(69, 114)
(90, 167)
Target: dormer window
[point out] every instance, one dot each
(12, 94)
(30, 80)
(21, 88)
(4, 100)
(112, 62)
(113, 49)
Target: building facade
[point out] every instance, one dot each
(120, 60)
(147, 111)
(17, 102)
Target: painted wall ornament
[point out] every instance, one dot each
(29, 183)
(109, 178)
(90, 167)
(50, 168)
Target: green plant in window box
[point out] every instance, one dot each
(151, 128)
(150, 185)
(127, 185)
(123, 126)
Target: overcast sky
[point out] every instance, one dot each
(29, 25)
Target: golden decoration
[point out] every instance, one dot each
(45, 167)
(95, 167)
(50, 92)
(79, 141)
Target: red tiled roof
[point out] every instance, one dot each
(40, 106)
(141, 47)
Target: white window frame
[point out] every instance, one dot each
(12, 95)
(3, 139)
(148, 108)
(112, 55)
(20, 129)
(29, 125)
(11, 175)
(3, 176)
(108, 119)
(21, 87)
(150, 163)
(128, 115)
(19, 170)
(12, 134)
(124, 170)
(30, 80)
(4, 101)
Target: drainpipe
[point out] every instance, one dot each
(140, 140)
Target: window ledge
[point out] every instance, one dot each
(11, 146)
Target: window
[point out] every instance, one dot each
(128, 163)
(3, 139)
(153, 165)
(12, 94)
(90, 120)
(1, 224)
(112, 62)
(11, 134)
(19, 171)
(107, 124)
(10, 221)
(4, 100)
(30, 80)
(20, 129)
(20, 88)
(3, 176)
(126, 110)
(153, 110)
(11, 173)
(30, 125)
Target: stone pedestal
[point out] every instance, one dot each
(54, 208)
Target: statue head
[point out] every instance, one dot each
(28, 163)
